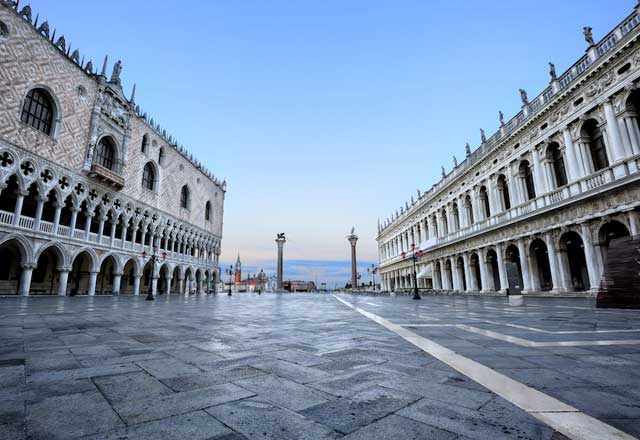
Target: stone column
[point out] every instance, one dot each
(454, 274)
(117, 277)
(93, 276)
(87, 225)
(38, 217)
(112, 238)
(488, 285)
(467, 273)
(524, 265)
(56, 218)
(136, 284)
(101, 229)
(613, 130)
(564, 272)
(25, 278)
(63, 280)
(443, 276)
(181, 284)
(556, 278)
(491, 190)
(594, 269)
(154, 285)
(123, 238)
(281, 241)
(631, 127)
(539, 177)
(74, 217)
(574, 170)
(634, 221)
(502, 270)
(353, 238)
(17, 212)
(167, 286)
(536, 286)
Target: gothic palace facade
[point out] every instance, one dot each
(91, 187)
(547, 192)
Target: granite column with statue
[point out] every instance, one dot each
(281, 241)
(353, 239)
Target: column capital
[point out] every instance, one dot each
(65, 269)
(28, 266)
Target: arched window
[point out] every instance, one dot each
(527, 176)
(105, 153)
(38, 110)
(445, 223)
(557, 161)
(503, 190)
(145, 142)
(184, 197)
(469, 209)
(595, 138)
(456, 216)
(207, 211)
(161, 156)
(484, 198)
(148, 176)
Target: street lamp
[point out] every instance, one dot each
(153, 259)
(414, 256)
(230, 272)
(372, 271)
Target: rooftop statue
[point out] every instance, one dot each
(501, 117)
(115, 75)
(443, 173)
(467, 149)
(483, 137)
(524, 97)
(280, 235)
(455, 161)
(552, 72)
(588, 36)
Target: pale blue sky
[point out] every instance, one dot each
(324, 115)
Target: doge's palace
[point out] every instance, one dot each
(97, 198)
(543, 196)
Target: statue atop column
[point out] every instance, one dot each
(353, 239)
(280, 239)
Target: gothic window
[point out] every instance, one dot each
(105, 153)
(148, 176)
(145, 142)
(596, 144)
(557, 161)
(207, 211)
(184, 197)
(469, 208)
(527, 175)
(503, 189)
(484, 197)
(38, 110)
(456, 216)
(445, 223)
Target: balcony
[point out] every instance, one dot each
(107, 176)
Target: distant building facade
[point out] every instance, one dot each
(541, 198)
(90, 185)
(299, 286)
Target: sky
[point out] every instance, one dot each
(327, 115)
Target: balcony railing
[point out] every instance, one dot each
(107, 176)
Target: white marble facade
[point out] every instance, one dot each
(90, 185)
(548, 191)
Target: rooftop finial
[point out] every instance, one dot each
(133, 94)
(104, 66)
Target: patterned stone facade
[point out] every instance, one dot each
(58, 200)
(535, 206)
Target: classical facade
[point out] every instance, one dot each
(537, 203)
(96, 198)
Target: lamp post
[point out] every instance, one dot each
(372, 271)
(230, 272)
(153, 259)
(414, 256)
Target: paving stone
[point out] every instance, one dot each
(130, 386)
(208, 378)
(168, 367)
(38, 391)
(197, 425)
(256, 419)
(299, 357)
(70, 416)
(12, 419)
(346, 363)
(345, 415)
(396, 427)
(11, 376)
(284, 392)
(289, 370)
(143, 410)
(79, 373)
(350, 383)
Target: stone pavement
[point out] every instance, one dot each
(302, 366)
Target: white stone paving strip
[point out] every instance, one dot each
(565, 332)
(565, 419)
(526, 342)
